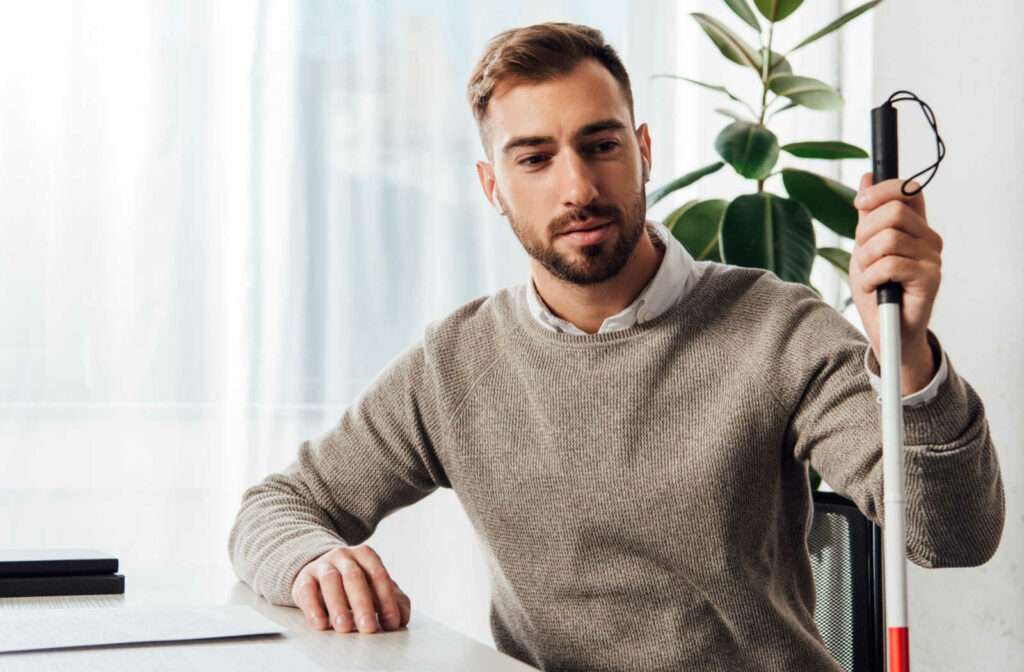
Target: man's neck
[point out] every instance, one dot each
(587, 306)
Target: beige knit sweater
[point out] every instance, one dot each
(641, 495)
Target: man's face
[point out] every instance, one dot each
(566, 157)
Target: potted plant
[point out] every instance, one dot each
(761, 229)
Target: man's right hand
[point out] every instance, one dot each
(350, 582)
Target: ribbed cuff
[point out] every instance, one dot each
(921, 396)
(278, 570)
(939, 423)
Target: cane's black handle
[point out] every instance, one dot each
(885, 160)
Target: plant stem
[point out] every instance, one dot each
(765, 68)
(766, 65)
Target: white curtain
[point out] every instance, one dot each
(218, 220)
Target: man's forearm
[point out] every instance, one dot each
(955, 502)
(275, 533)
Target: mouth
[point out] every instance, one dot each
(589, 232)
(588, 225)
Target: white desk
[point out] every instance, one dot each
(424, 644)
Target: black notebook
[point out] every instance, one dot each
(55, 562)
(75, 584)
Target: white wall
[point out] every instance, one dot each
(964, 60)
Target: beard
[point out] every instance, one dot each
(588, 264)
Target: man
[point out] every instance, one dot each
(629, 432)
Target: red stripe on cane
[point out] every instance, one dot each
(899, 650)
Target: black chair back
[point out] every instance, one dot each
(846, 557)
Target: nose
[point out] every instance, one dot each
(577, 181)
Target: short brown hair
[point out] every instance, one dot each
(536, 54)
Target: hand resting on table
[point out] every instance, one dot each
(350, 583)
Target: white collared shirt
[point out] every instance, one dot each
(676, 276)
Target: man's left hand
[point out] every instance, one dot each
(894, 242)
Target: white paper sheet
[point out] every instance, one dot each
(275, 655)
(31, 629)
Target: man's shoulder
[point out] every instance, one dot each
(781, 333)
(476, 325)
(753, 290)
(759, 304)
(478, 313)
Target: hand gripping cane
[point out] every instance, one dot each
(885, 160)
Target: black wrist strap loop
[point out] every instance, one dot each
(940, 146)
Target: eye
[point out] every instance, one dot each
(605, 147)
(529, 161)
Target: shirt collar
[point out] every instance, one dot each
(676, 274)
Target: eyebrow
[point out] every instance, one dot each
(589, 129)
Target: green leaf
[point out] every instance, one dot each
(830, 202)
(696, 226)
(840, 260)
(825, 149)
(806, 91)
(743, 10)
(731, 46)
(763, 230)
(713, 87)
(673, 217)
(680, 182)
(749, 148)
(788, 106)
(728, 113)
(779, 65)
(814, 477)
(850, 15)
(777, 10)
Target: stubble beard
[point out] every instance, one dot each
(589, 264)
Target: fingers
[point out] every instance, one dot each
(306, 594)
(894, 255)
(404, 605)
(871, 196)
(348, 587)
(893, 239)
(925, 275)
(332, 590)
(383, 586)
(358, 591)
(896, 215)
(894, 242)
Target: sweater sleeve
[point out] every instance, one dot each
(953, 489)
(377, 459)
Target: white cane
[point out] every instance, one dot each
(885, 160)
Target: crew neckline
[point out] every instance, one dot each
(692, 303)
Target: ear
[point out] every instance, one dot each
(485, 172)
(643, 141)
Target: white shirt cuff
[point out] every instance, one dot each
(930, 391)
